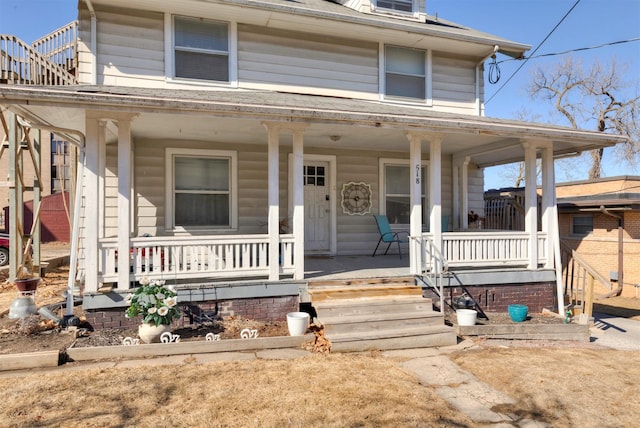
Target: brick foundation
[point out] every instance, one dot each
(258, 309)
(496, 298)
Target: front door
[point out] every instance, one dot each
(317, 213)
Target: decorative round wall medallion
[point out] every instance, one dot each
(356, 198)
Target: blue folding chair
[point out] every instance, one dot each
(389, 236)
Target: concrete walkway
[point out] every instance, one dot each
(459, 388)
(616, 332)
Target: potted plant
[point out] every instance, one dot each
(26, 281)
(157, 304)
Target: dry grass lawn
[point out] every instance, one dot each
(565, 387)
(333, 391)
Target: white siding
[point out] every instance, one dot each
(130, 52)
(282, 58)
(454, 84)
(130, 47)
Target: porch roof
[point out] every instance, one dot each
(235, 116)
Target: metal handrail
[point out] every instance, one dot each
(438, 266)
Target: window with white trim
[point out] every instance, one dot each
(202, 189)
(201, 49)
(395, 198)
(395, 5)
(581, 225)
(405, 73)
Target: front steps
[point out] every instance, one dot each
(378, 314)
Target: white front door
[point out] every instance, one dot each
(317, 206)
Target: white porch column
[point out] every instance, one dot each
(91, 193)
(298, 205)
(273, 222)
(435, 191)
(548, 202)
(102, 162)
(531, 203)
(455, 220)
(464, 211)
(415, 192)
(124, 201)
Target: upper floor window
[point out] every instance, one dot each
(581, 225)
(201, 49)
(398, 5)
(405, 73)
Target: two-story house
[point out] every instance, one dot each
(224, 140)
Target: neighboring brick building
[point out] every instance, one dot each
(590, 213)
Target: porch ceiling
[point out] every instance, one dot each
(333, 123)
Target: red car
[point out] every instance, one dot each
(4, 249)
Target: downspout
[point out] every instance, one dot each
(94, 43)
(73, 262)
(620, 218)
(479, 75)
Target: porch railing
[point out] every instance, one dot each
(193, 257)
(489, 248)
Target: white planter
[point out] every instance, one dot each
(151, 333)
(298, 323)
(466, 316)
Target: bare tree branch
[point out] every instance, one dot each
(596, 98)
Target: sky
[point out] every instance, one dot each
(591, 23)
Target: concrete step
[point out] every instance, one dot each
(378, 313)
(379, 322)
(420, 337)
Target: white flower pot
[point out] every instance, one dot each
(466, 316)
(298, 323)
(150, 333)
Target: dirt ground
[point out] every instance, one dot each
(36, 333)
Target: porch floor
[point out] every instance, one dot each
(351, 267)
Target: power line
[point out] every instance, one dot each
(637, 39)
(534, 51)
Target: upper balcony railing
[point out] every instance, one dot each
(50, 63)
(60, 46)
